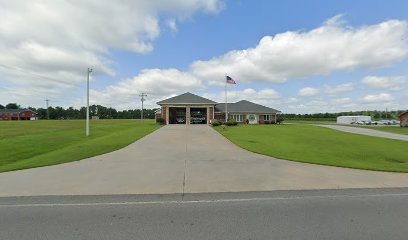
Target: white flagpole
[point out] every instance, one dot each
(226, 99)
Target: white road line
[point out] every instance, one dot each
(197, 201)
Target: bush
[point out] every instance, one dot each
(231, 123)
(215, 123)
(160, 121)
(267, 122)
(279, 119)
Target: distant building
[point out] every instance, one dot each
(188, 108)
(17, 114)
(352, 119)
(404, 119)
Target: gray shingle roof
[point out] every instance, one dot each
(187, 98)
(244, 106)
(403, 113)
(12, 111)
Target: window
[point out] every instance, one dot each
(267, 117)
(237, 117)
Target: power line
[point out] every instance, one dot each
(48, 111)
(87, 103)
(142, 95)
(34, 74)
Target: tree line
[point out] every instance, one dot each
(94, 110)
(110, 113)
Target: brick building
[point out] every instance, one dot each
(404, 119)
(17, 114)
(189, 108)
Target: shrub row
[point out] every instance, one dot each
(228, 123)
(216, 123)
(231, 123)
(161, 121)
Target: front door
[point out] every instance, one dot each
(252, 119)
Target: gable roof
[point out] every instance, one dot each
(244, 106)
(187, 98)
(403, 113)
(12, 111)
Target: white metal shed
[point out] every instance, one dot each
(352, 119)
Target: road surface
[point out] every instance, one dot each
(323, 214)
(366, 131)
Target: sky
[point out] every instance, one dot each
(295, 56)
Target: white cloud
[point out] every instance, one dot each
(393, 83)
(46, 47)
(342, 101)
(312, 106)
(341, 88)
(171, 23)
(157, 83)
(380, 98)
(324, 50)
(308, 91)
(51, 43)
(266, 96)
(322, 105)
(125, 94)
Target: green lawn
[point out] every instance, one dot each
(311, 144)
(310, 121)
(28, 144)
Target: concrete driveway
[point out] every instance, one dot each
(186, 159)
(366, 131)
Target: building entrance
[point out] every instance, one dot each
(198, 116)
(177, 115)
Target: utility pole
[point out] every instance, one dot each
(48, 112)
(87, 103)
(142, 95)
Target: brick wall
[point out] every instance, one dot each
(27, 115)
(261, 119)
(404, 119)
(210, 113)
(219, 116)
(163, 113)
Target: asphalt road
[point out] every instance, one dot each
(366, 131)
(318, 214)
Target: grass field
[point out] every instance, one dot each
(28, 144)
(310, 121)
(311, 144)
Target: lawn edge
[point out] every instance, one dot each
(322, 164)
(76, 160)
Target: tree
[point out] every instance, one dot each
(12, 106)
(1, 106)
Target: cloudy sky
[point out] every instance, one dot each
(296, 56)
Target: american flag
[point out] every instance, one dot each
(230, 80)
